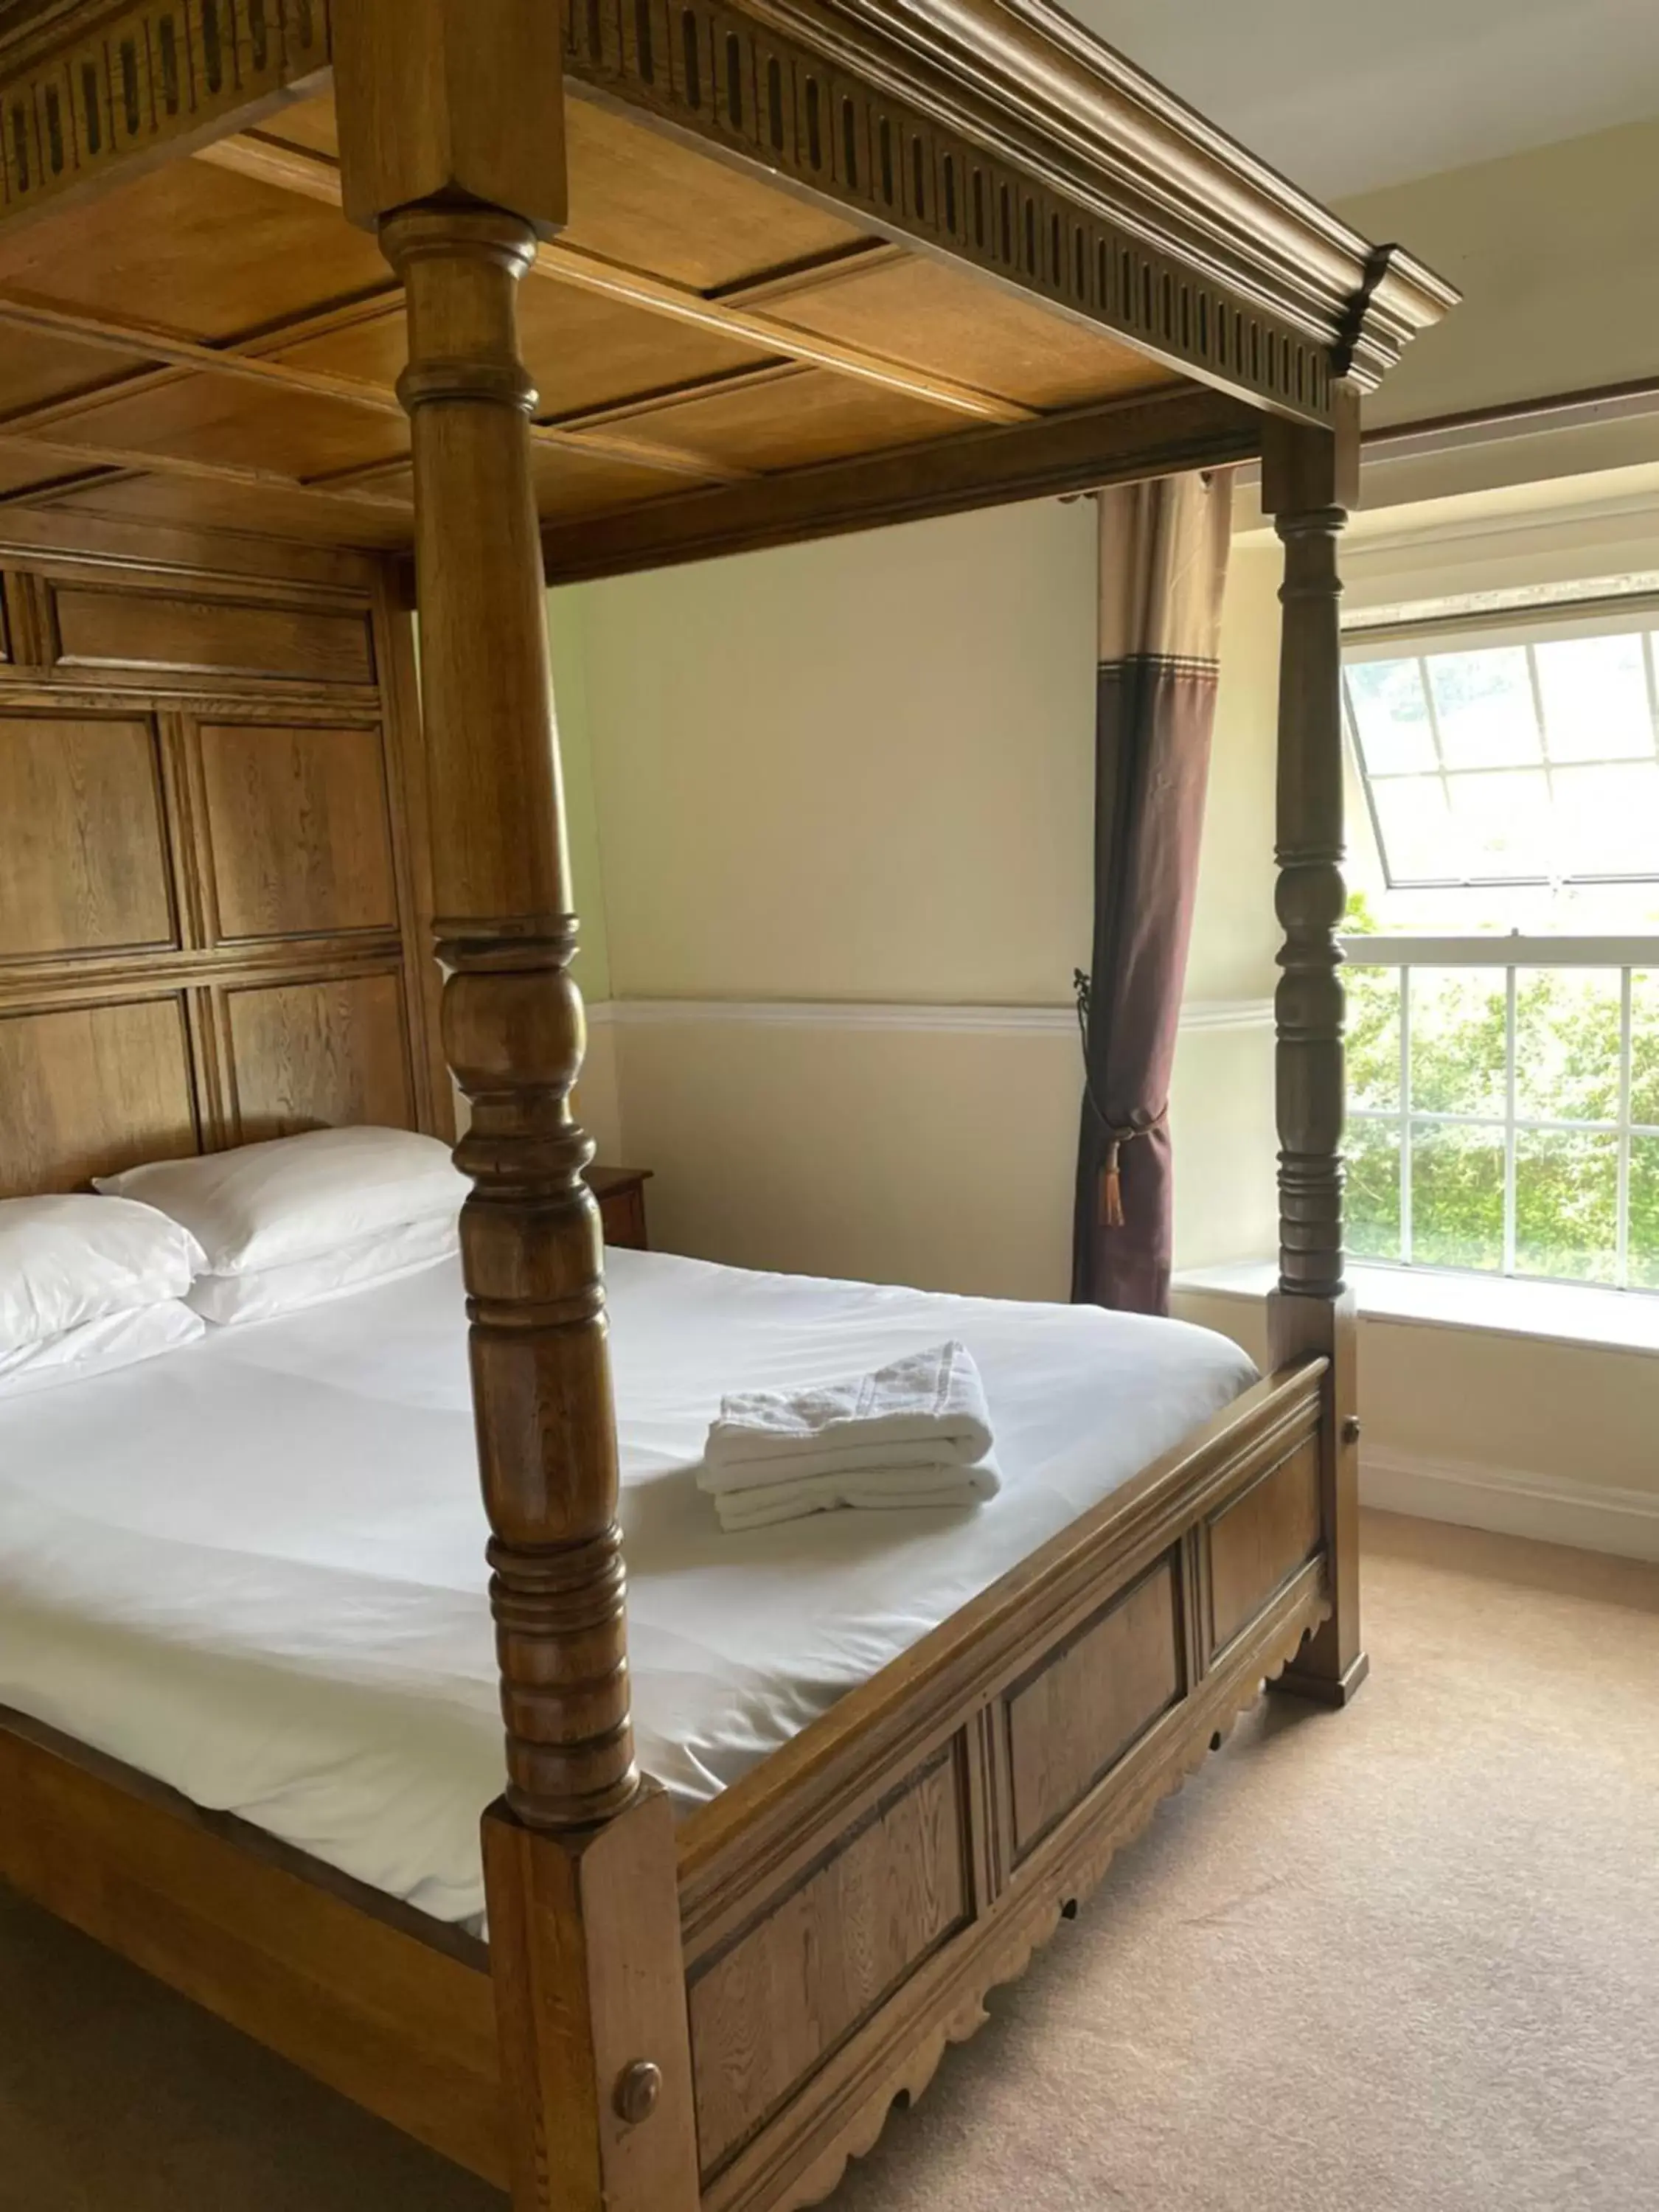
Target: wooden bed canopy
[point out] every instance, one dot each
(289, 293)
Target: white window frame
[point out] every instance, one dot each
(1629, 955)
(1524, 628)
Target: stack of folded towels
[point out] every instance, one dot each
(916, 1433)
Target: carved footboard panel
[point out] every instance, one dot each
(847, 1907)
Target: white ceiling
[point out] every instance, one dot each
(1345, 96)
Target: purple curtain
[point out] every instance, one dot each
(1163, 567)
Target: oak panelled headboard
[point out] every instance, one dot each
(213, 922)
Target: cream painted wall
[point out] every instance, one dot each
(598, 1096)
(1517, 1413)
(1563, 534)
(1554, 252)
(858, 769)
(862, 772)
(885, 1155)
(592, 966)
(1221, 1111)
(918, 1155)
(1235, 931)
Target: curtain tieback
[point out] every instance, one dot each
(1111, 1174)
(1117, 1134)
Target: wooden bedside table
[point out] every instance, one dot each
(621, 1193)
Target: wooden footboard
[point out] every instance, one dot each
(846, 1908)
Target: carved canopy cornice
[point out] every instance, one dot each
(1001, 133)
(17, 17)
(90, 88)
(996, 133)
(1178, 180)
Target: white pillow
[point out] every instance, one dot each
(264, 1205)
(260, 1293)
(97, 1348)
(70, 1259)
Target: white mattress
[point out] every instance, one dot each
(253, 1568)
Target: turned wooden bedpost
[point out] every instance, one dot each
(451, 144)
(1310, 480)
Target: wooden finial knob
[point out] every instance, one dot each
(638, 2087)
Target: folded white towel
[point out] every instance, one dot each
(916, 1433)
(762, 1506)
(923, 1412)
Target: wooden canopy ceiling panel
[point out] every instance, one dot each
(194, 252)
(643, 202)
(286, 397)
(588, 353)
(310, 125)
(204, 504)
(571, 484)
(1029, 356)
(584, 350)
(37, 368)
(782, 417)
(24, 470)
(936, 318)
(223, 419)
(886, 228)
(646, 202)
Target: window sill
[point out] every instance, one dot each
(1557, 1313)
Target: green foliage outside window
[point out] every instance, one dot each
(1567, 1043)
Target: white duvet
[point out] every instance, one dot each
(253, 1568)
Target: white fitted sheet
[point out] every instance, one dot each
(254, 1568)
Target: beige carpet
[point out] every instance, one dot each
(1404, 1958)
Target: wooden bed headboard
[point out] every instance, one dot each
(212, 922)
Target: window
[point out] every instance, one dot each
(1503, 945)
(1497, 754)
(1505, 1107)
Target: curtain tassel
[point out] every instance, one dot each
(1111, 1166)
(1111, 1188)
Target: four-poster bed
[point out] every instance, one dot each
(659, 281)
